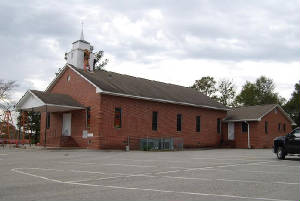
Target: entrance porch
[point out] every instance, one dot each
(63, 120)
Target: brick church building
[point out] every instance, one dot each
(102, 109)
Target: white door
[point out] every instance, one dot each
(230, 131)
(66, 127)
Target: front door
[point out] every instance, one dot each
(66, 127)
(230, 131)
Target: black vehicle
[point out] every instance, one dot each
(289, 144)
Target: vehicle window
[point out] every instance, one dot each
(297, 133)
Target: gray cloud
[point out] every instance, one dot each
(35, 34)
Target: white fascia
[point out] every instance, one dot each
(65, 106)
(56, 78)
(282, 110)
(161, 100)
(98, 90)
(29, 92)
(242, 120)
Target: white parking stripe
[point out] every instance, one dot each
(247, 171)
(78, 163)
(292, 166)
(82, 171)
(44, 169)
(104, 178)
(180, 192)
(149, 189)
(231, 159)
(211, 167)
(122, 175)
(127, 165)
(280, 182)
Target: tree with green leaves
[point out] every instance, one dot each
(99, 62)
(227, 91)
(33, 124)
(293, 104)
(259, 93)
(206, 85)
(247, 95)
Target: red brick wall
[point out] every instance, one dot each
(258, 137)
(137, 121)
(264, 140)
(241, 138)
(84, 93)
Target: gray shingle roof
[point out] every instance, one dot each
(120, 84)
(249, 112)
(56, 99)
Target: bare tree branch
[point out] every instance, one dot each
(5, 89)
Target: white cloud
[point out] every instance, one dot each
(185, 72)
(159, 40)
(37, 83)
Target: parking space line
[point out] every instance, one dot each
(148, 189)
(246, 171)
(45, 169)
(231, 159)
(210, 167)
(280, 182)
(84, 180)
(291, 166)
(180, 192)
(33, 175)
(122, 175)
(78, 163)
(173, 161)
(128, 165)
(3, 154)
(83, 171)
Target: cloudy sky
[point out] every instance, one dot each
(166, 40)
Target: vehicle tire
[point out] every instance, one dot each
(281, 153)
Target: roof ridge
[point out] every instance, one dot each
(273, 104)
(140, 78)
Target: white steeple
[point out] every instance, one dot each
(81, 35)
(81, 54)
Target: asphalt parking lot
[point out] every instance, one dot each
(216, 174)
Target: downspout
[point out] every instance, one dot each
(19, 133)
(86, 109)
(249, 144)
(31, 126)
(45, 137)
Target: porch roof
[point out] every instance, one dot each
(253, 113)
(39, 101)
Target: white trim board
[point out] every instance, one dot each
(40, 103)
(98, 90)
(160, 100)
